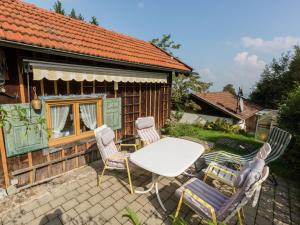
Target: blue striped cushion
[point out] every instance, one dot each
(205, 192)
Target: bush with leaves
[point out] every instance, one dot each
(222, 125)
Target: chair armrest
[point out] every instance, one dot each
(212, 166)
(202, 202)
(128, 145)
(145, 142)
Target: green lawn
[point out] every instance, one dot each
(210, 135)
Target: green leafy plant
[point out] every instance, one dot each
(19, 113)
(132, 216)
(222, 125)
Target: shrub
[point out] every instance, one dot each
(177, 115)
(222, 125)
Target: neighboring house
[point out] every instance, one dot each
(84, 76)
(229, 106)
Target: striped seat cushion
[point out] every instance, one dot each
(150, 135)
(118, 164)
(207, 193)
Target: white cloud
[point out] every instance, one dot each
(204, 71)
(245, 59)
(277, 43)
(141, 5)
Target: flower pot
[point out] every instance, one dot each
(36, 104)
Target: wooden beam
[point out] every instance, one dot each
(42, 88)
(140, 100)
(4, 160)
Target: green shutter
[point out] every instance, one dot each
(112, 113)
(18, 138)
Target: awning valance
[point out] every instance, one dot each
(67, 72)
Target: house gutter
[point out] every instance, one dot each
(28, 47)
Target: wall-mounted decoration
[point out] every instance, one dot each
(112, 113)
(36, 103)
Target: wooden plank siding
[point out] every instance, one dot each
(138, 99)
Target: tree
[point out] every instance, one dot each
(182, 85)
(73, 14)
(278, 79)
(57, 7)
(166, 43)
(229, 88)
(94, 21)
(289, 112)
(80, 17)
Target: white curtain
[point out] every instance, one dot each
(59, 116)
(89, 115)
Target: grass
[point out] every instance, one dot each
(195, 131)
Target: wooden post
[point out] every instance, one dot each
(140, 101)
(21, 82)
(55, 87)
(81, 87)
(68, 87)
(23, 100)
(4, 161)
(42, 87)
(94, 87)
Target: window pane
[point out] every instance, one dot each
(62, 121)
(88, 116)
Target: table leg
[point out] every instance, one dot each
(154, 183)
(151, 187)
(158, 197)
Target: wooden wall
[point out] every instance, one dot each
(137, 100)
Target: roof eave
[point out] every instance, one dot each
(40, 49)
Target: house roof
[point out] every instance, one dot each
(227, 102)
(25, 23)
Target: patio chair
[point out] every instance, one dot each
(229, 176)
(111, 156)
(278, 140)
(211, 204)
(146, 130)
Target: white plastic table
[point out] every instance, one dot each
(167, 157)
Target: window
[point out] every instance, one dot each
(71, 120)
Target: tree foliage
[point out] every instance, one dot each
(289, 113)
(279, 78)
(229, 88)
(166, 43)
(58, 8)
(182, 85)
(94, 21)
(73, 14)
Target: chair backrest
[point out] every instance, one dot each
(279, 140)
(253, 182)
(264, 151)
(146, 129)
(105, 141)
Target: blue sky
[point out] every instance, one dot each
(226, 41)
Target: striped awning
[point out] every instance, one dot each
(67, 72)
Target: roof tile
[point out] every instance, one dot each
(228, 102)
(26, 23)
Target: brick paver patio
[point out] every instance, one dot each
(76, 199)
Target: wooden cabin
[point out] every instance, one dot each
(59, 79)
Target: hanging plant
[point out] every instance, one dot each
(19, 113)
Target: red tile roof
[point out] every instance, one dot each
(25, 23)
(227, 102)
